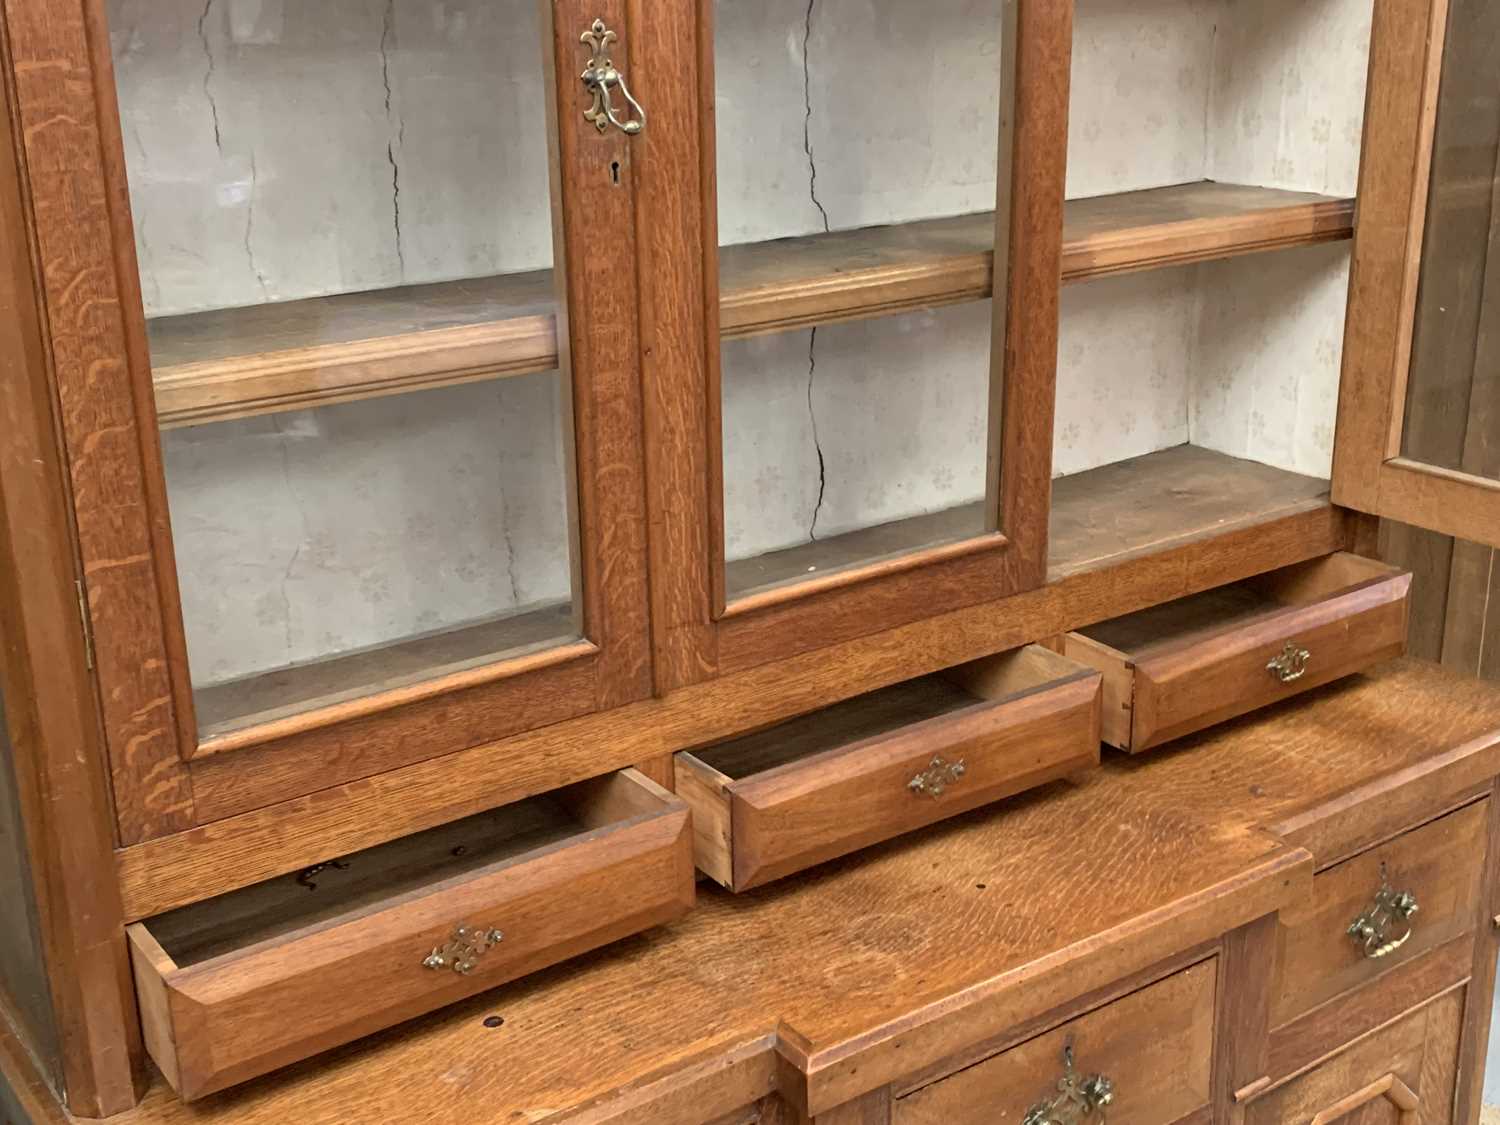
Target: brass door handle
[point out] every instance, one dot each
(1385, 926)
(601, 77)
(937, 777)
(1291, 665)
(463, 950)
(1076, 1100)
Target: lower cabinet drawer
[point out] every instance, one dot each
(239, 985)
(783, 799)
(1404, 1074)
(1412, 894)
(1150, 1052)
(1187, 664)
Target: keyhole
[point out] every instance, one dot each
(614, 172)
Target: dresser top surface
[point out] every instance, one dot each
(997, 915)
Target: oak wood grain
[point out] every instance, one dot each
(959, 937)
(1199, 660)
(273, 987)
(56, 772)
(1480, 992)
(797, 794)
(1369, 472)
(1440, 863)
(1322, 1032)
(1155, 1045)
(280, 831)
(1404, 1074)
(1209, 507)
(56, 55)
(948, 950)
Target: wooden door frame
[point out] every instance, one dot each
(70, 126)
(696, 637)
(1369, 471)
(51, 707)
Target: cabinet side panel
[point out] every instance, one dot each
(24, 998)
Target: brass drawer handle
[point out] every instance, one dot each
(1076, 1100)
(934, 780)
(1385, 926)
(462, 951)
(600, 77)
(1291, 664)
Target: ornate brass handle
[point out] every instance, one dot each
(462, 951)
(934, 780)
(1076, 1100)
(1291, 664)
(600, 77)
(1385, 926)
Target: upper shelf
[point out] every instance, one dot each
(263, 359)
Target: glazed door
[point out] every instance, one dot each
(1419, 411)
(851, 419)
(358, 313)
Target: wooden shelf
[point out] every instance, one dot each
(1100, 517)
(265, 359)
(237, 704)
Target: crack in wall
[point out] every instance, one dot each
(286, 577)
(208, 75)
(260, 276)
(812, 191)
(387, 33)
(505, 526)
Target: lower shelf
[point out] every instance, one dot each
(1104, 515)
(282, 692)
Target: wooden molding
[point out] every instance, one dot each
(238, 363)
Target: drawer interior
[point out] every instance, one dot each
(994, 679)
(1236, 605)
(369, 880)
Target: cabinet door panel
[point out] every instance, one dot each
(868, 411)
(1421, 388)
(381, 370)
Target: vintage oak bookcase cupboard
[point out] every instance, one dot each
(470, 469)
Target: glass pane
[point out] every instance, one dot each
(344, 230)
(855, 140)
(1453, 388)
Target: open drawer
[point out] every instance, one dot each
(796, 794)
(239, 985)
(1187, 664)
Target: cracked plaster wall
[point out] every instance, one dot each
(288, 148)
(887, 112)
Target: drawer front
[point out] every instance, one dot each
(240, 1014)
(798, 815)
(1154, 1047)
(1228, 674)
(1404, 1074)
(1440, 865)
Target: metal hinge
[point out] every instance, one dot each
(86, 623)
